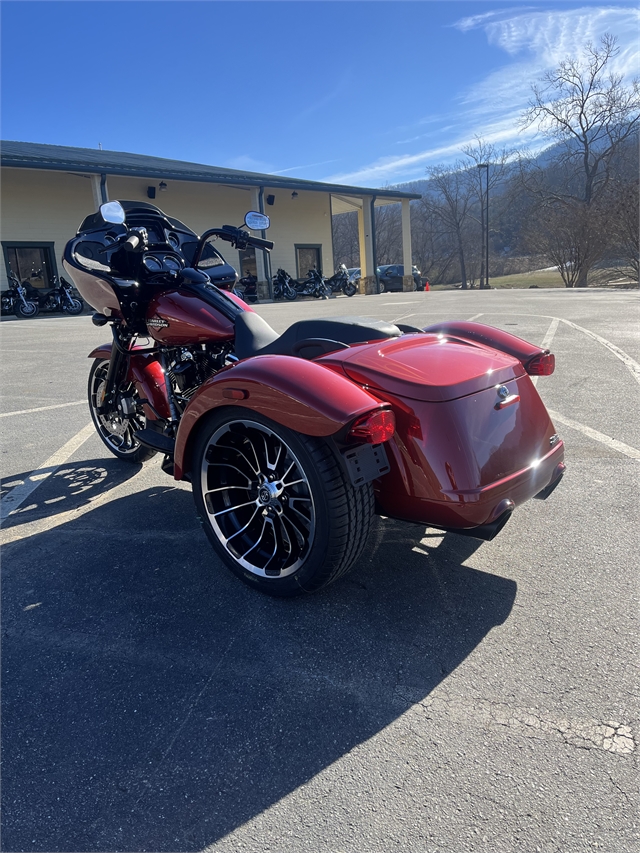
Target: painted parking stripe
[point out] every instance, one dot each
(19, 494)
(42, 409)
(613, 443)
(633, 365)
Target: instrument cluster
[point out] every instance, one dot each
(156, 262)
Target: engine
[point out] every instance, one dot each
(190, 367)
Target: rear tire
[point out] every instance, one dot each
(276, 505)
(115, 430)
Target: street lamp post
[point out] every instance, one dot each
(484, 219)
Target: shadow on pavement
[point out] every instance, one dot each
(70, 486)
(151, 702)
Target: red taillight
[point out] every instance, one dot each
(374, 428)
(542, 365)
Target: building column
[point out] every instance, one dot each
(260, 253)
(407, 260)
(368, 281)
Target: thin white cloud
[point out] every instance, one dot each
(537, 40)
(306, 166)
(245, 163)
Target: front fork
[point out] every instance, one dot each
(117, 363)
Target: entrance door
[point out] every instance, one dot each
(31, 262)
(308, 258)
(248, 265)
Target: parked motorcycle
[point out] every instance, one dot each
(292, 441)
(59, 298)
(15, 300)
(313, 285)
(283, 286)
(340, 281)
(247, 288)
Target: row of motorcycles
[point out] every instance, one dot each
(315, 284)
(26, 301)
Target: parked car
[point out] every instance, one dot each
(391, 277)
(355, 273)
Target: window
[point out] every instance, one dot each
(308, 258)
(33, 262)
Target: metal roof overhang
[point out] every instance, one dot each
(88, 161)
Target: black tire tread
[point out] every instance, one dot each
(352, 511)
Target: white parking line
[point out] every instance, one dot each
(613, 443)
(42, 409)
(633, 366)
(20, 493)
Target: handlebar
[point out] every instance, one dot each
(131, 243)
(259, 243)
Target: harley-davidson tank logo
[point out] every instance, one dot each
(157, 323)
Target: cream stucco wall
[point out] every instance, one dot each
(38, 205)
(41, 206)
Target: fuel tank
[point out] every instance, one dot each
(179, 317)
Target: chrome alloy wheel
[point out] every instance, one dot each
(258, 498)
(115, 429)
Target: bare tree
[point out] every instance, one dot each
(591, 113)
(346, 242)
(388, 234)
(625, 201)
(451, 195)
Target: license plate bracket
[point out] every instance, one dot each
(365, 463)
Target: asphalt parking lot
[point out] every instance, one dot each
(447, 695)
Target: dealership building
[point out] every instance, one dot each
(47, 190)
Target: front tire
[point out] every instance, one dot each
(115, 430)
(74, 307)
(349, 289)
(31, 309)
(290, 293)
(276, 505)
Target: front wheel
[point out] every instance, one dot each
(349, 289)
(276, 505)
(74, 306)
(27, 309)
(115, 429)
(290, 293)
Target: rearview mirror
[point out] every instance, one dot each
(257, 221)
(113, 212)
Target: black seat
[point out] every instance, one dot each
(307, 338)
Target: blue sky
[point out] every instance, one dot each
(362, 93)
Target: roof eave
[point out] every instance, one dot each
(249, 180)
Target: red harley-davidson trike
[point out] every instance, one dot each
(293, 442)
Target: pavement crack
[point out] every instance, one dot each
(608, 735)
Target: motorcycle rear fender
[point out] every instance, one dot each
(146, 372)
(301, 395)
(489, 336)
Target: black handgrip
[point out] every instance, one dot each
(131, 243)
(260, 244)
